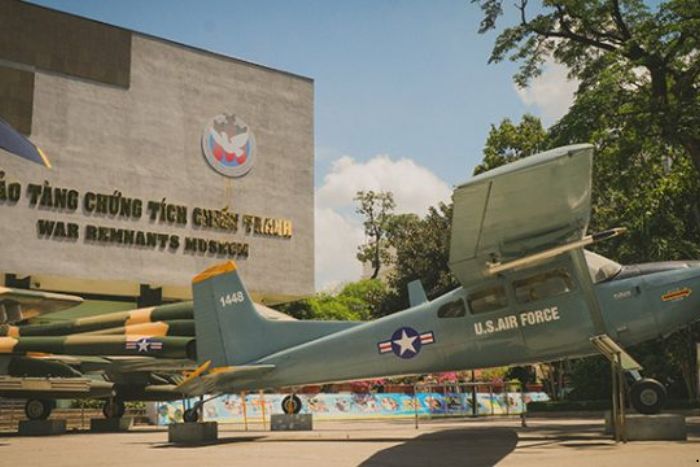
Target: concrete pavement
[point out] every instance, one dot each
(482, 442)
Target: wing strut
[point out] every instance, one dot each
(495, 268)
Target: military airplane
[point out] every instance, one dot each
(529, 293)
(133, 355)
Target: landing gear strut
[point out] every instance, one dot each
(647, 396)
(39, 409)
(291, 404)
(113, 408)
(196, 412)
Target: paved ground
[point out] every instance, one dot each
(562, 441)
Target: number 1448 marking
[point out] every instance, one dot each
(231, 299)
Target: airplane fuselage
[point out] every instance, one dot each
(465, 329)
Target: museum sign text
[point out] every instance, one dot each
(118, 206)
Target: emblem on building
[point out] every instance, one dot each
(228, 145)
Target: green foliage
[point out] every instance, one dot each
(421, 249)
(590, 379)
(644, 59)
(357, 301)
(639, 72)
(377, 208)
(508, 142)
(499, 373)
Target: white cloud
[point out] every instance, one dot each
(552, 93)
(339, 230)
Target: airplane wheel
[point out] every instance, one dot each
(38, 409)
(114, 409)
(291, 404)
(648, 396)
(191, 415)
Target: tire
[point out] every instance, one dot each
(190, 415)
(648, 396)
(114, 409)
(291, 404)
(38, 409)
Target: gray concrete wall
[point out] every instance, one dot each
(145, 142)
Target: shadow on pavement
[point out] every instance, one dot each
(217, 442)
(465, 446)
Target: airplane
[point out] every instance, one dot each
(529, 293)
(17, 305)
(133, 355)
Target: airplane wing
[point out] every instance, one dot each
(536, 203)
(14, 142)
(156, 365)
(20, 304)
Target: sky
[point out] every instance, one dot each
(404, 97)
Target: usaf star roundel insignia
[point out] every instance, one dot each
(406, 342)
(143, 345)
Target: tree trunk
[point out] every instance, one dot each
(692, 145)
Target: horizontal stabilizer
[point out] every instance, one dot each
(198, 383)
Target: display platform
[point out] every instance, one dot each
(659, 427)
(193, 433)
(111, 425)
(41, 427)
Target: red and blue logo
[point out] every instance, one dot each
(406, 342)
(228, 145)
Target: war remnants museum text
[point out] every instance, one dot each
(119, 206)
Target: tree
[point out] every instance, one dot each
(649, 59)
(421, 251)
(638, 102)
(357, 301)
(377, 209)
(508, 142)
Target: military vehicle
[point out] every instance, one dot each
(529, 293)
(121, 356)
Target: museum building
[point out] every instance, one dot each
(164, 160)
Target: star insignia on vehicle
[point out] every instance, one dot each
(406, 342)
(143, 345)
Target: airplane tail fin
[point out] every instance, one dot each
(228, 328)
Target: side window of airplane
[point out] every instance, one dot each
(453, 309)
(487, 299)
(543, 285)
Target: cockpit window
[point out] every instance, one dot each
(453, 309)
(544, 285)
(487, 299)
(601, 268)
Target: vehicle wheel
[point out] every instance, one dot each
(191, 415)
(38, 409)
(291, 404)
(114, 409)
(648, 396)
